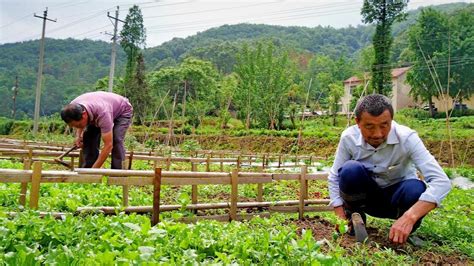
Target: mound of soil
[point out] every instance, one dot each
(323, 229)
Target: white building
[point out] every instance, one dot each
(400, 90)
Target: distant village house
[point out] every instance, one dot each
(400, 93)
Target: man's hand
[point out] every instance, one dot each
(401, 229)
(339, 211)
(78, 142)
(107, 138)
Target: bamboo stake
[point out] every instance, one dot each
(194, 189)
(35, 185)
(80, 162)
(302, 191)
(125, 188)
(24, 185)
(233, 194)
(238, 162)
(168, 162)
(155, 218)
(222, 164)
(260, 190)
(208, 164)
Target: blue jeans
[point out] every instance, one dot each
(361, 193)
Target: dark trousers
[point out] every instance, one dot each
(91, 140)
(361, 193)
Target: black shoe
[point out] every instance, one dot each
(358, 226)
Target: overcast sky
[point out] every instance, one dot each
(166, 19)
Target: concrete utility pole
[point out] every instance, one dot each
(15, 93)
(114, 39)
(40, 71)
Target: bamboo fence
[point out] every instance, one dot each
(158, 178)
(48, 153)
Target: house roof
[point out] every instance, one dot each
(396, 72)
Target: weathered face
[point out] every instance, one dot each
(375, 129)
(81, 123)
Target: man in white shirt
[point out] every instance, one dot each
(374, 171)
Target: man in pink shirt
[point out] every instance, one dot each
(95, 115)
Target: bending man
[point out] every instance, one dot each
(95, 115)
(374, 171)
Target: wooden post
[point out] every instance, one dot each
(311, 160)
(263, 161)
(72, 163)
(81, 159)
(168, 163)
(208, 164)
(238, 163)
(24, 185)
(222, 164)
(302, 191)
(129, 166)
(250, 160)
(155, 217)
(234, 180)
(194, 189)
(279, 160)
(125, 188)
(35, 185)
(296, 159)
(260, 190)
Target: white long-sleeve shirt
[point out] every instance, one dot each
(393, 161)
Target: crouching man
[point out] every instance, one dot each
(374, 171)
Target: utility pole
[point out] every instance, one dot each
(114, 39)
(40, 71)
(15, 93)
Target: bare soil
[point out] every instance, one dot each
(323, 229)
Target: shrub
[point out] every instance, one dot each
(6, 126)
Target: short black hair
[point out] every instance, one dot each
(374, 104)
(72, 112)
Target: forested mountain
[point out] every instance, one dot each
(70, 67)
(73, 66)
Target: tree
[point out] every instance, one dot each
(133, 36)
(193, 83)
(227, 90)
(265, 76)
(140, 100)
(324, 71)
(428, 46)
(336, 91)
(384, 13)
(462, 54)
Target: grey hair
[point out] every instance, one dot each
(374, 104)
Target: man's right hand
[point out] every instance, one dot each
(339, 211)
(78, 142)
